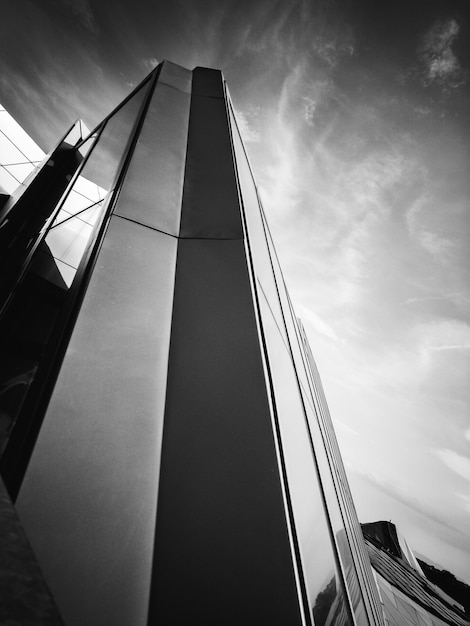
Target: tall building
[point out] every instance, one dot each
(167, 453)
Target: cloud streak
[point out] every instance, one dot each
(456, 462)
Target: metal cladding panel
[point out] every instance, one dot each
(152, 190)
(175, 76)
(88, 501)
(222, 552)
(208, 82)
(210, 198)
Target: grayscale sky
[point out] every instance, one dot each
(356, 118)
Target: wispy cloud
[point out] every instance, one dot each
(465, 498)
(437, 55)
(453, 297)
(435, 244)
(442, 335)
(81, 10)
(149, 63)
(316, 321)
(332, 47)
(247, 129)
(418, 219)
(456, 462)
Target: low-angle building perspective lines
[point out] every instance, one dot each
(234, 313)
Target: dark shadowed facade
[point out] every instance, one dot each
(167, 451)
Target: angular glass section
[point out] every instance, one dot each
(34, 318)
(27, 211)
(114, 139)
(153, 187)
(101, 437)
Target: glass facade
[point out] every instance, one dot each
(164, 430)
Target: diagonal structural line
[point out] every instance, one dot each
(75, 214)
(22, 163)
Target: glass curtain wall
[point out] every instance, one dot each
(330, 569)
(36, 315)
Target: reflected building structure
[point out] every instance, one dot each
(408, 596)
(167, 452)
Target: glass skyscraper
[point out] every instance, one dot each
(167, 450)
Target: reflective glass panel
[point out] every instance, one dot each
(324, 587)
(10, 128)
(28, 323)
(99, 446)
(256, 232)
(20, 171)
(348, 534)
(334, 511)
(8, 182)
(113, 140)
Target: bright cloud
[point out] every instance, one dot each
(149, 63)
(316, 321)
(248, 132)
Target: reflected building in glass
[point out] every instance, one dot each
(167, 453)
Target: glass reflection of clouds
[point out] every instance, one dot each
(19, 154)
(72, 228)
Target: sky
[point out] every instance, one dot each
(356, 119)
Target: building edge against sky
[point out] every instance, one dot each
(165, 437)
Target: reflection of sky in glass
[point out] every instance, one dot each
(19, 154)
(73, 225)
(68, 236)
(318, 559)
(72, 228)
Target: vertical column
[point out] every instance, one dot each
(222, 551)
